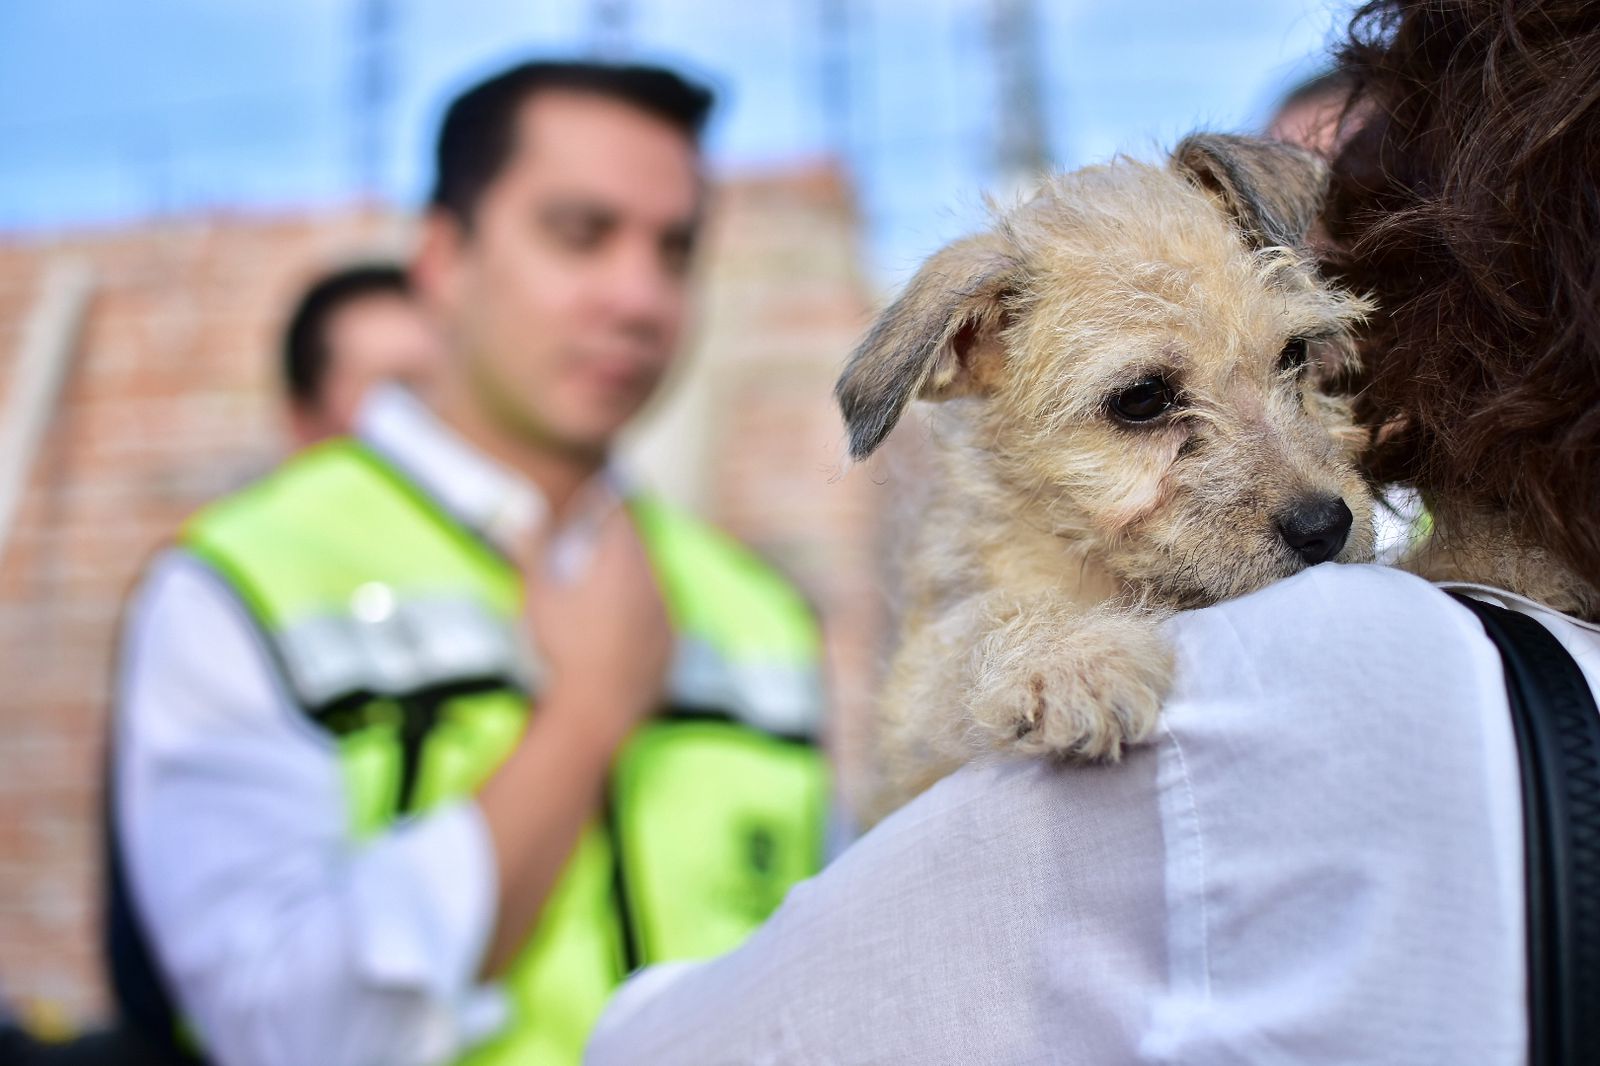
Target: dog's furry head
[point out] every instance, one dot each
(1134, 357)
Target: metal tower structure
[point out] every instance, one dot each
(1022, 138)
(610, 22)
(372, 84)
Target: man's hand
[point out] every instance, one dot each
(606, 644)
(604, 635)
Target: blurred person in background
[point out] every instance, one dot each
(1310, 112)
(350, 330)
(1320, 857)
(340, 833)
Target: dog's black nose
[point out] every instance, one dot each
(1316, 528)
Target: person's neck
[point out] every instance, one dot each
(1480, 548)
(558, 473)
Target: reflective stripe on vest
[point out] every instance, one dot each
(398, 631)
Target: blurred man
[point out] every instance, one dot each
(339, 835)
(1310, 112)
(352, 329)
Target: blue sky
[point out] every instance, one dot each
(111, 109)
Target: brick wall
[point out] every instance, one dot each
(170, 401)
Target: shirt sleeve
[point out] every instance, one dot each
(284, 940)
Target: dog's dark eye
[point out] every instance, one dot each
(1143, 401)
(1294, 356)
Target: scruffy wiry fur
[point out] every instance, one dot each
(1058, 534)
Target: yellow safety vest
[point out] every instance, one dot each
(397, 629)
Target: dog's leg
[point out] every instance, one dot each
(1052, 678)
(1038, 676)
(921, 732)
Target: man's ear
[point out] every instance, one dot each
(940, 339)
(1273, 191)
(437, 265)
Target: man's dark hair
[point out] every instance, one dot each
(306, 352)
(479, 128)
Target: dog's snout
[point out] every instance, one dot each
(1316, 528)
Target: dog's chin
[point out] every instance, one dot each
(1177, 596)
(1196, 590)
(1163, 577)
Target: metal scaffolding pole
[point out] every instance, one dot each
(834, 74)
(373, 82)
(609, 26)
(1022, 138)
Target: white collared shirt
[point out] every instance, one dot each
(286, 943)
(1318, 861)
(499, 503)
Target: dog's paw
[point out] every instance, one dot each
(1081, 688)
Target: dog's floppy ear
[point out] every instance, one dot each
(1274, 191)
(938, 340)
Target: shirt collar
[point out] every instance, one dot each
(1512, 601)
(489, 498)
(498, 503)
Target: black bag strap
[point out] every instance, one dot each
(1558, 742)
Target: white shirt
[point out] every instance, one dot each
(285, 942)
(1319, 860)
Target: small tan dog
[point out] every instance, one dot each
(1128, 423)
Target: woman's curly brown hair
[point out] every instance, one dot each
(1466, 201)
